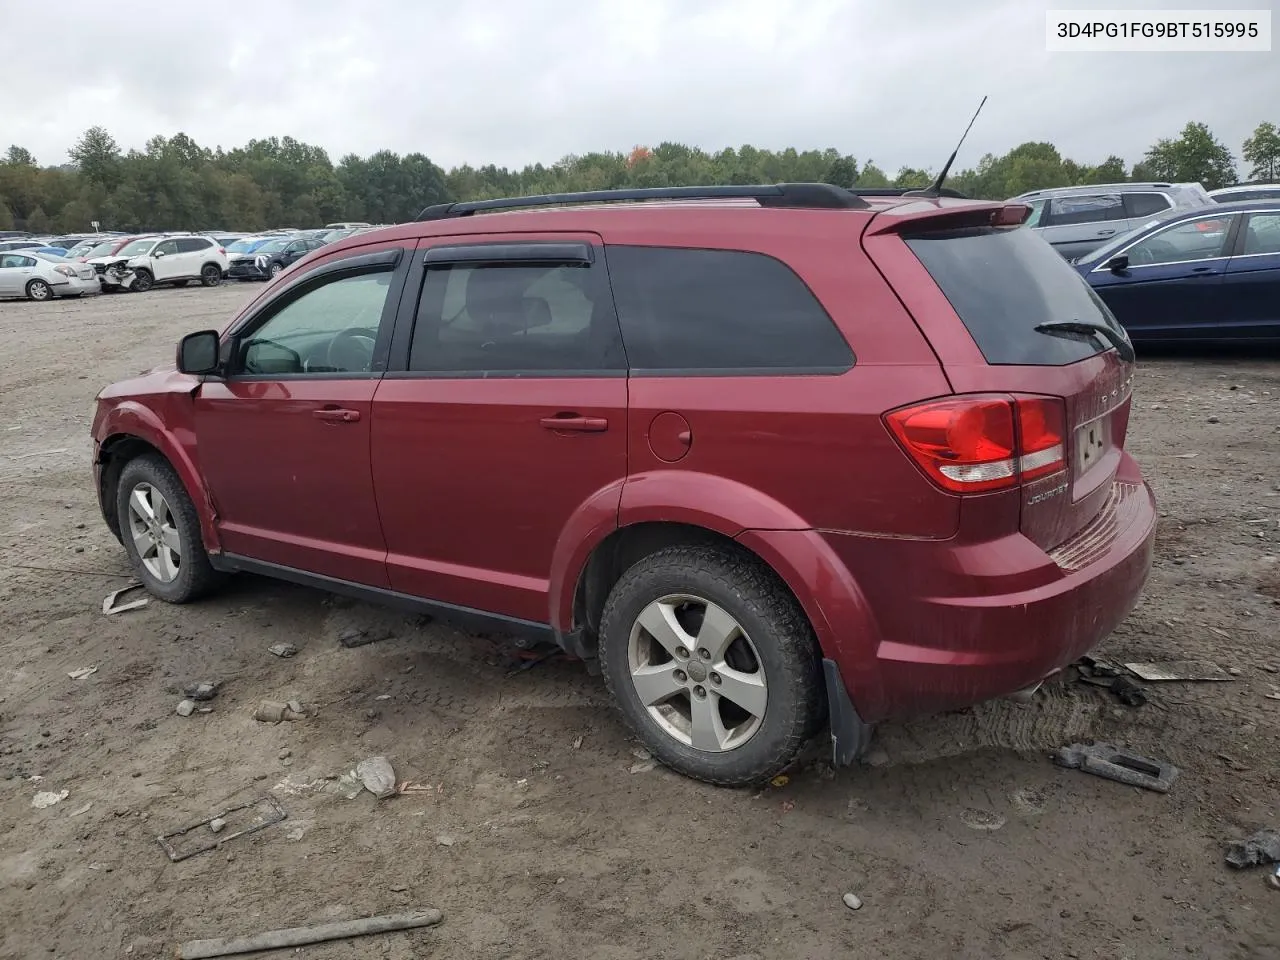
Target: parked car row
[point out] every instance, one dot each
(136, 263)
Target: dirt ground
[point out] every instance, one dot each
(534, 836)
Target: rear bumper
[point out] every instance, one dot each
(76, 286)
(918, 627)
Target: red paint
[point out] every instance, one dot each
(493, 493)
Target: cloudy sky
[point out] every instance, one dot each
(517, 81)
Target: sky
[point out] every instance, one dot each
(520, 81)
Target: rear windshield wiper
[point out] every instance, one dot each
(1117, 339)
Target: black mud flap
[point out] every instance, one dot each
(850, 735)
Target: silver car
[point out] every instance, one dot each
(1078, 220)
(1246, 191)
(42, 276)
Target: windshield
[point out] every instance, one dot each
(247, 245)
(87, 250)
(273, 246)
(1003, 283)
(136, 247)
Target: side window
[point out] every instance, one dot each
(1192, 240)
(296, 247)
(192, 244)
(12, 260)
(331, 328)
(1145, 204)
(1037, 213)
(1067, 211)
(720, 310)
(515, 319)
(167, 247)
(1262, 234)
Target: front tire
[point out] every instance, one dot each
(712, 662)
(39, 290)
(275, 270)
(160, 530)
(142, 281)
(211, 275)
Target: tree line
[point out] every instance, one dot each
(174, 183)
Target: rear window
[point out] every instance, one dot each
(686, 311)
(1002, 283)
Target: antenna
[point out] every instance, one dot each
(935, 189)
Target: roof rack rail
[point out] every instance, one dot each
(903, 191)
(823, 196)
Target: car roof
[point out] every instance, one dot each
(1244, 188)
(1134, 187)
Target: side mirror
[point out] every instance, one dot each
(1118, 264)
(198, 352)
(158, 254)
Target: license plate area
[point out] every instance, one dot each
(1092, 440)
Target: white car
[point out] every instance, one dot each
(175, 260)
(40, 276)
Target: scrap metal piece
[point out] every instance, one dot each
(275, 814)
(1115, 763)
(109, 604)
(1179, 670)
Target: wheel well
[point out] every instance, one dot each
(623, 548)
(115, 453)
(211, 263)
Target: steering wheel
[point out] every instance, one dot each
(351, 351)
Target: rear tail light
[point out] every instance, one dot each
(223, 251)
(972, 444)
(65, 270)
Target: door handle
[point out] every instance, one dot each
(1201, 269)
(1105, 233)
(336, 415)
(571, 421)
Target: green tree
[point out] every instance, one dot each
(6, 217)
(1262, 152)
(909, 178)
(38, 221)
(1194, 156)
(19, 157)
(1110, 170)
(97, 155)
(872, 177)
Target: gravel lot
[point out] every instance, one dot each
(535, 837)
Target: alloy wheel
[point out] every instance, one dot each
(697, 673)
(155, 533)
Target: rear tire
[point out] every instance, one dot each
(160, 530)
(749, 702)
(142, 281)
(211, 275)
(39, 291)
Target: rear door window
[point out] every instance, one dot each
(1002, 283)
(1068, 211)
(1145, 204)
(720, 311)
(1204, 239)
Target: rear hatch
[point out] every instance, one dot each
(1013, 295)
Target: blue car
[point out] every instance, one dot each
(1204, 274)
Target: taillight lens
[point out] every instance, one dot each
(971, 444)
(65, 270)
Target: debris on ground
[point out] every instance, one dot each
(283, 650)
(82, 673)
(111, 603)
(1115, 763)
(186, 708)
(577, 743)
(852, 901)
(272, 711)
(1178, 670)
(1099, 673)
(377, 776)
(643, 766)
(269, 812)
(203, 690)
(982, 820)
(781, 780)
(217, 824)
(84, 809)
(363, 636)
(300, 936)
(47, 798)
(1262, 847)
(445, 841)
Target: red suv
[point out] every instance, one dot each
(774, 457)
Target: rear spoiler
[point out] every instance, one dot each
(929, 215)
